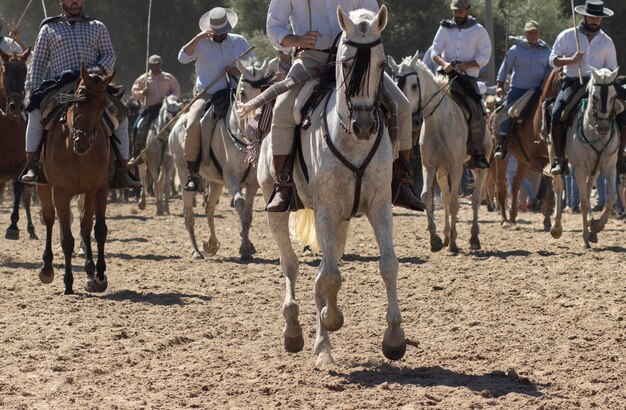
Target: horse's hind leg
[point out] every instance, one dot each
(190, 221)
(13, 231)
(598, 225)
(502, 191)
(520, 174)
(99, 202)
(86, 223)
(26, 199)
(143, 177)
(446, 188)
(557, 185)
(62, 205)
(427, 197)
(454, 180)
(548, 209)
(213, 245)
(46, 273)
(247, 249)
(481, 176)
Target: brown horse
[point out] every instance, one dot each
(12, 131)
(76, 161)
(531, 152)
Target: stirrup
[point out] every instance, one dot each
(33, 171)
(193, 183)
(500, 152)
(290, 203)
(559, 167)
(403, 195)
(478, 161)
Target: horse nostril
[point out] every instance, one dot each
(12, 105)
(355, 128)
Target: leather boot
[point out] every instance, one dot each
(559, 166)
(621, 159)
(501, 149)
(32, 174)
(402, 192)
(123, 178)
(193, 180)
(282, 195)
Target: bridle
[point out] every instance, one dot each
(13, 96)
(78, 133)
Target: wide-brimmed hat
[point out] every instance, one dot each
(219, 20)
(594, 8)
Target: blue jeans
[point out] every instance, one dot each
(513, 95)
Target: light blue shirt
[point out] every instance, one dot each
(529, 64)
(212, 58)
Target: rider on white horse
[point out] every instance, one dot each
(314, 27)
(462, 65)
(213, 49)
(596, 50)
(151, 91)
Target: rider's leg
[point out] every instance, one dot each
(121, 140)
(34, 134)
(193, 144)
(505, 128)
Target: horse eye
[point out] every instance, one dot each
(345, 65)
(414, 86)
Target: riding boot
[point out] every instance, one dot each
(32, 174)
(193, 181)
(559, 166)
(123, 178)
(402, 192)
(501, 148)
(621, 159)
(283, 193)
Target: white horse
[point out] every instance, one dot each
(342, 121)
(443, 140)
(157, 158)
(592, 144)
(223, 164)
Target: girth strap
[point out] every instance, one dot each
(358, 172)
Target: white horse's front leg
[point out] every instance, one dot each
(479, 181)
(557, 184)
(190, 221)
(143, 177)
(213, 245)
(442, 178)
(598, 225)
(427, 197)
(247, 249)
(455, 182)
(585, 183)
(394, 341)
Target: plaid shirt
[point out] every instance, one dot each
(61, 46)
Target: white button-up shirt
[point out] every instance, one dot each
(463, 45)
(599, 52)
(322, 18)
(212, 58)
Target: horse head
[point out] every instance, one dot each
(360, 68)
(13, 79)
(602, 98)
(405, 75)
(254, 78)
(88, 106)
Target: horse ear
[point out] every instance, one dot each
(614, 74)
(241, 66)
(380, 21)
(594, 74)
(84, 73)
(618, 106)
(107, 80)
(415, 58)
(264, 65)
(392, 64)
(345, 22)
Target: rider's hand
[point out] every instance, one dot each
(576, 58)
(308, 39)
(14, 31)
(448, 68)
(145, 92)
(500, 92)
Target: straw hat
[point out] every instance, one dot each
(219, 20)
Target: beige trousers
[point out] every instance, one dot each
(284, 124)
(193, 132)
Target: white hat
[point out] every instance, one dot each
(219, 20)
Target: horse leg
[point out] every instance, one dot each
(86, 223)
(46, 273)
(557, 228)
(26, 200)
(502, 191)
(247, 249)
(215, 190)
(143, 176)
(479, 181)
(394, 341)
(548, 209)
(444, 184)
(342, 237)
(520, 174)
(167, 171)
(190, 222)
(598, 225)
(158, 176)
(13, 232)
(453, 201)
(62, 205)
(427, 197)
(99, 283)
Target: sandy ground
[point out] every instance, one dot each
(526, 323)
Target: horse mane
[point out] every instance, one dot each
(439, 79)
(552, 85)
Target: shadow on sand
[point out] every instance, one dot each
(493, 384)
(162, 299)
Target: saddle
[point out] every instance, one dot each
(220, 102)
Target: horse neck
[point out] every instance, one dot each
(434, 98)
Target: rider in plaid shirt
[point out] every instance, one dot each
(63, 44)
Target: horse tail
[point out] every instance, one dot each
(302, 227)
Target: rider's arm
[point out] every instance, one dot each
(277, 24)
(188, 53)
(138, 87)
(40, 60)
(106, 54)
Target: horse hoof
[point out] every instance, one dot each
(586, 245)
(453, 249)
(211, 248)
(196, 255)
(556, 232)
(46, 275)
(593, 237)
(246, 252)
(547, 228)
(294, 344)
(436, 245)
(596, 226)
(12, 234)
(331, 323)
(141, 205)
(394, 352)
(95, 285)
(475, 245)
(325, 361)
(33, 236)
